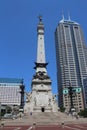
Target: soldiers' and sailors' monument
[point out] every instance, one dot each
(40, 99)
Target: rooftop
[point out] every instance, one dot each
(68, 21)
(11, 80)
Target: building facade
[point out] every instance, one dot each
(85, 91)
(71, 57)
(11, 92)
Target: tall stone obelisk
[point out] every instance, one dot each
(40, 99)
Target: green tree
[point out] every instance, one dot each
(8, 109)
(62, 109)
(83, 113)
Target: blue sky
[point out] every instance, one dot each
(18, 34)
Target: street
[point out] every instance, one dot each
(48, 127)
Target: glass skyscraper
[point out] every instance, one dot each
(71, 56)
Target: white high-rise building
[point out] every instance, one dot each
(11, 92)
(71, 57)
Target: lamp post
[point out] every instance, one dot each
(22, 87)
(0, 110)
(71, 92)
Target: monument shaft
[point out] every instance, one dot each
(40, 99)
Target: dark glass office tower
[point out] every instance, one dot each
(71, 57)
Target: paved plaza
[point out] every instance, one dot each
(44, 121)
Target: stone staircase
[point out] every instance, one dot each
(45, 118)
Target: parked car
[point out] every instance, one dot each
(8, 116)
(14, 116)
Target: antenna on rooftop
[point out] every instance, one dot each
(69, 16)
(62, 15)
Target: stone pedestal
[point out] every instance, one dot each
(41, 98)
